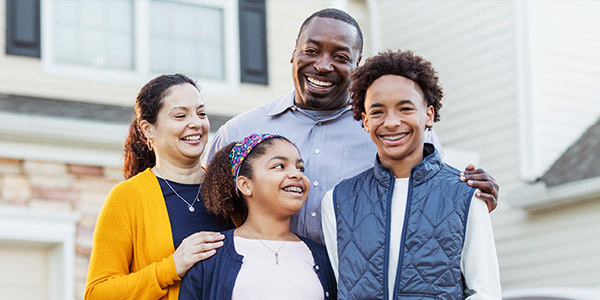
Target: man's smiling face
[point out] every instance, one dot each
(326, 53)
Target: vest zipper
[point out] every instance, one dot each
(401, 257)
(387, 238)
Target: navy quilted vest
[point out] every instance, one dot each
(432, 237)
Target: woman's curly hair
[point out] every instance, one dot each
(218, 188)
(401, 63)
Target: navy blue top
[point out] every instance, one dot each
(188, 222)
(214, 277)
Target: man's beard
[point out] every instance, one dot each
(314, 103)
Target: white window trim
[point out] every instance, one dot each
(374, 25)
(57, 230)
(141, 73)
(530, 168)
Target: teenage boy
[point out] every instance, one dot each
(406, 228)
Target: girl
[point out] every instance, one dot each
(150, 230)
(261, 181)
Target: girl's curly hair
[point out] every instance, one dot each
(218, 189)
(401, 63)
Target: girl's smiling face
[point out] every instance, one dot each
(278, 184)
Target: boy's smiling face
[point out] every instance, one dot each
(396, 115)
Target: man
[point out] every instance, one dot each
(317, 116)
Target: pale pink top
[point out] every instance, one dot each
(261, 278)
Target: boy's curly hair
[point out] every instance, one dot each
(401, 63)
(218, 189)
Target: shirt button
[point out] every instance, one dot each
(320, 123)
(317, 267)
(316, 183)
(327, 294)
(314, 214)
(317, 151)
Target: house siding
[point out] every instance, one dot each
(566, 60)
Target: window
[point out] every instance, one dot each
(94, 33)
(188, 38)
(132, 40)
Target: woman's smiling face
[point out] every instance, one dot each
(180, 132)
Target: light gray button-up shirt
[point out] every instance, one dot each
(333, 145)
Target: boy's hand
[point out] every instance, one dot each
(480, 179)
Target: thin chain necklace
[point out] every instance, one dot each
(274, 252)
(190, 206)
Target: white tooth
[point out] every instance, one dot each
(318, 82)
(394, 138)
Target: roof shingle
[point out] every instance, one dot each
(580, 161)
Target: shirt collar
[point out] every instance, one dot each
(286, 102)
(282, 104)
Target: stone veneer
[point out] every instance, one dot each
(52, 186)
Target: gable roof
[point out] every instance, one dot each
(580, 161)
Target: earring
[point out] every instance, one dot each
(149, 144)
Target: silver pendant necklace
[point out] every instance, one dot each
(190, 206)
(274, 252)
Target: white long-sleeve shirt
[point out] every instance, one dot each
(479, 263)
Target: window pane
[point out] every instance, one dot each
(187, 38)
(95, 33)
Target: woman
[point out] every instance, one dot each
(261, 180)
(151, 229)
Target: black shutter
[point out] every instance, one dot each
(253, 41)
(23, 27)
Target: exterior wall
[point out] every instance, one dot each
(58, 187)
(565, 61)
(550, 248)
(480, 49)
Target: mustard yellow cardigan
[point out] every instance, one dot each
(132, 254)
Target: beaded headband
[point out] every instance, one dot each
(241, 150)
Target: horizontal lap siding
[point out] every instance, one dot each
(567, 62)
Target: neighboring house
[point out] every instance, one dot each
(520, 78)
(567, 200)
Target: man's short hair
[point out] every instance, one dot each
(401, 63)
(336, 14)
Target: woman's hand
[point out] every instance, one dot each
(194, 248)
